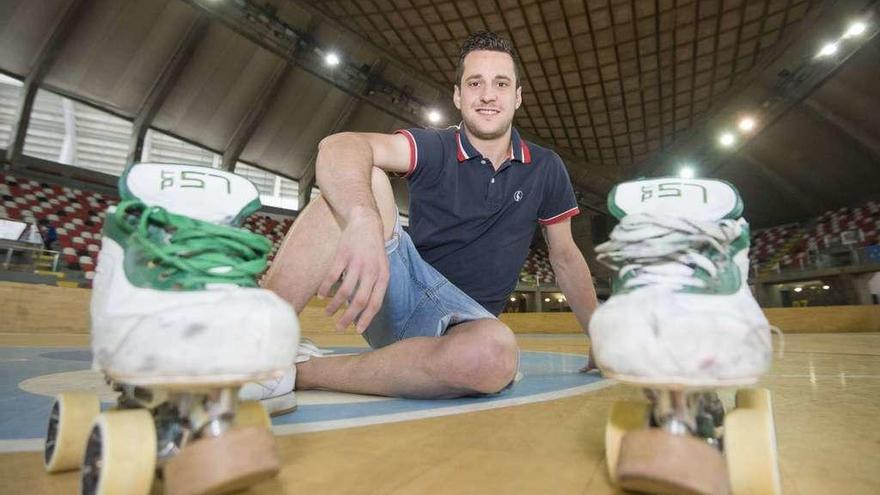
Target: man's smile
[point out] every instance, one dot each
(488, 111)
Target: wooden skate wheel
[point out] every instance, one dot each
(235, 460)
(626, 416)
(750, 446)
(121, 454)
(252, 413)
(68, 431)
(654, 461)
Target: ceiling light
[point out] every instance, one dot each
(855, 29)
(727, 139)
(828, 49)
(331, 59)
(434, 116)
(746, 124)
(512, 299)
(826, 287)
(798, 289)
(559, 300)
(686, 172)
(546, 299)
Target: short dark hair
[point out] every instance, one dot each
(486, 40)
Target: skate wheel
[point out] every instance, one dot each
(68, 431)
(750, 445)
(235, 460)
(252, 413)
(625, 416)
(121, 454)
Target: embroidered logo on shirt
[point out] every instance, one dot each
(517, 196)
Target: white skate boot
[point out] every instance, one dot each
(681, 321)
(178, 325)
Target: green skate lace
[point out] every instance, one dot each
(666, 250)
(204, 253)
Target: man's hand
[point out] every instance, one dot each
(361, 257)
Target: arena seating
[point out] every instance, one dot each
(537, 267)
(859, 226)
(78, 216)
(772, 246)
(788, 246)
(274, 228)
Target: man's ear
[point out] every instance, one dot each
(518, 97)
(456, 97)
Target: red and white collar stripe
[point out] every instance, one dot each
(462, 154)
(525, 155)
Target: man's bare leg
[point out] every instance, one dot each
(474, 357)
(307, 251)
(479, 356)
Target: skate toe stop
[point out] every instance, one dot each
(654, 461)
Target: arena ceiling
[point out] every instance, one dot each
(619, 88)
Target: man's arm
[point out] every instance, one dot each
(572, 273)
(343, 170)
(344, 164)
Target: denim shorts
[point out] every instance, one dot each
(419, 301)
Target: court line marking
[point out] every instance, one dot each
(294, 429)
(36, 444)
(21, 445)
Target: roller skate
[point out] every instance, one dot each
(681, 324)
(178, 326)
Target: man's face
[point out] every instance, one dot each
(488, 96)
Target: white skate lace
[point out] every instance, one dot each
(665, 250)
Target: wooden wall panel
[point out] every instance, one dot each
(826, 319)
(542, 322)
(31, 308)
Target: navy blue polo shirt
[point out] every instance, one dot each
(474, 224)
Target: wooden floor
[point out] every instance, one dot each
(827, 397)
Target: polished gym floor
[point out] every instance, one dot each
(546, 436)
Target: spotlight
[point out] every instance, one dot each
(512, 299)
(434, 116)
(727, 139)
(746, 124)
(686, 172)
(559, 300)
(798, 289)
(331, 59)
(828, 49)
(855, 29)
(826, 287)
(546, 299)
